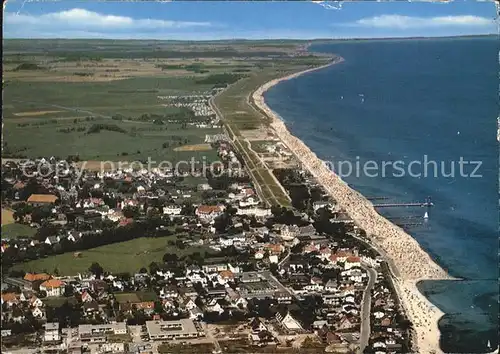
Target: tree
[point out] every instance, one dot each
(130, 211)
(274, 269)
(96, 269)
(153, 268)
(68, 291)
(158, 307)
(45, 231)
(170, 258)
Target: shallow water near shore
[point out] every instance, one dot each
(402, 100)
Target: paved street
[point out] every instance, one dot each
(209, 336)
(272, 280)
(366, 309)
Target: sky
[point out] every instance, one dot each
(205, 20)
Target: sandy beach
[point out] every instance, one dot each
(409, 263)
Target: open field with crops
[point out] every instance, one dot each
(7, 217)
(100, 100)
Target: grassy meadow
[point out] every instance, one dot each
(128, 256)
(14, 230)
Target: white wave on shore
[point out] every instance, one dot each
(409, 263)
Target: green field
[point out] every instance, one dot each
(69, 103)
(14, 230)
(128, 256)
(140, 141)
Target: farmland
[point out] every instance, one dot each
(100, 100)
(71, 109)
(128, 256)
(7, 217)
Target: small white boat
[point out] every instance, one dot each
(426, 215)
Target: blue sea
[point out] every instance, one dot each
(433, 102)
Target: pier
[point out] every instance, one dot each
(427, 203)
(409, 224)
(395, 205)
(407, 217)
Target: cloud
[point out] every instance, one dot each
(329, 5)
(81, 19)
(408, 22)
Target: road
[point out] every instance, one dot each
(250, 165)
(209, 335)
(272, 280)
(366, 309)
(66, 108)
(285, 258)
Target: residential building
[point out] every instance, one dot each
(180, 329)
(209, 212)
(172, 210)
(53, 287)
(97, 333)
(42, 199)
(288, 321)
(51, 333)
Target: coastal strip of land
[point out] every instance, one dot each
(409, 263)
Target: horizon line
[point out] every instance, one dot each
(255, 39)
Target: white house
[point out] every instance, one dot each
(259, 212)
(214, 306)
(314, 287)
(53, 287)
(273, 259)
(52, 240)
(51, 332)
(352, 261)
(37, 312)
(226, 242)
(36, 302)
(190, 304)
(168, 293)
(172, 210)
(331, 286)
(248, 202)
(288, 322)
(259, 254)
(196, 278)
(109, 347)
(210, 268)
(235, 269)
(321, 204)
(74, 236)
(209, 212)
(349, 298)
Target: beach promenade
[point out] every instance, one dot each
(409, 263)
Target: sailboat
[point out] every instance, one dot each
(489, 344)
(426, 215)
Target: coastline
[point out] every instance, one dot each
(409, 266)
